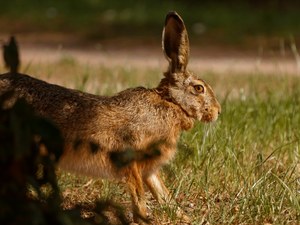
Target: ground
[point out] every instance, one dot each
(148, 54)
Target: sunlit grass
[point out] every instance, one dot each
(97, 79)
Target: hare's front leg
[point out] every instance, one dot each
(135, 185)
(162, 195)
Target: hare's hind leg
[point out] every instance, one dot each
(163, 196)
(134, 183)
(157, 188)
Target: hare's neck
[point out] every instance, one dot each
(186, 122)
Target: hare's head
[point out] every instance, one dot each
(184, 88)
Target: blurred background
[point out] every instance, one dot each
(237, 23)
(232, 29)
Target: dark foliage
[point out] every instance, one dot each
(124, 158)
(11, 55)
(29, 149)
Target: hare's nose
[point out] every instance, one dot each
(219, 109)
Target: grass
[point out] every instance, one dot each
(247, 165)
(242, 169)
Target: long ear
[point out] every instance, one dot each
(175, 42)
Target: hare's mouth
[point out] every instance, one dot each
(209, 117)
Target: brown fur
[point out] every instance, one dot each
(143, 120)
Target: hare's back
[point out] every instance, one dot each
(52, 101)
(25, 85)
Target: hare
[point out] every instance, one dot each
(99, 129)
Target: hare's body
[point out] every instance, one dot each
(146, 123)
(130, 120)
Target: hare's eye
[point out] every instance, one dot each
(199, 88)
